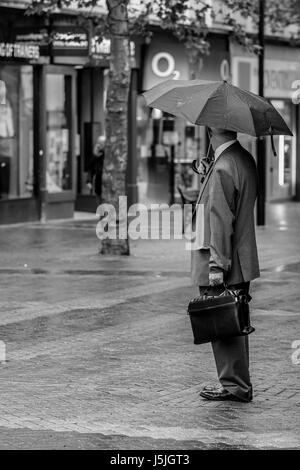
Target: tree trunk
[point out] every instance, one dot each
(114, 175)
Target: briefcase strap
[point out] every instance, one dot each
(242, 295)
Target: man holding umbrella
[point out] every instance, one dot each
(228, 252)
(225, 250)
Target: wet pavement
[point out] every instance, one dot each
(99, 350)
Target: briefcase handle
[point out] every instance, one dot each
(239, 293)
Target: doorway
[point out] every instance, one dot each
(58, 169)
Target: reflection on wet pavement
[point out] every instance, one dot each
(100, 351)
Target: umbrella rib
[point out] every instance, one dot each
(253, 121)
(264, 111)
(244, 101)
(207, 97)
(212, 95)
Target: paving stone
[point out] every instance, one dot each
(100, 351)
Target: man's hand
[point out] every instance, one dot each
(215, 279)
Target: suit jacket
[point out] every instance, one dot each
(226, 202)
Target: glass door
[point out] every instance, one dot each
(60, 129)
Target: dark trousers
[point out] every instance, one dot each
(232, 355)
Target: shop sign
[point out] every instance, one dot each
(69, 40)
(225, 70)
(19, 50)
(69, 43)
(38, 38)
(62, 41)
(65, 42)
(169, 68)
(166, 58)
(279, 76)
(100, 48)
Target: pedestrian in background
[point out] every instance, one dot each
(95, 169)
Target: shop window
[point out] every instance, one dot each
(16, 131)
(58, 116)
(166, 146)
(244, 74)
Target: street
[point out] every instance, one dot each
(99, 349)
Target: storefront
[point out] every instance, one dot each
(17, 192)
(52, 110)
(16, 131)
(37, 124)
(167, 145)
(282, 69)
(56, 140)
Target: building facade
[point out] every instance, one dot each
(53, 84)
(282, 70)
(168, 145)
(52, 110)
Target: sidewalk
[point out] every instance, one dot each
(100, 353)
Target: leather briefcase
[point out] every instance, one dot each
(220, 317)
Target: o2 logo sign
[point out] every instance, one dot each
(163, 65)
(225, 70)
(296, 93)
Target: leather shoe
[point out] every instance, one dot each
(219, 394)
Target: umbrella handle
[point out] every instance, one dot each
(195, 163)
(273, 146)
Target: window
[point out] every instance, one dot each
(16, 131)
(160, 138)
(284, 144)
(58, 115)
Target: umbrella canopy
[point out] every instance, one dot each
(217, 104)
